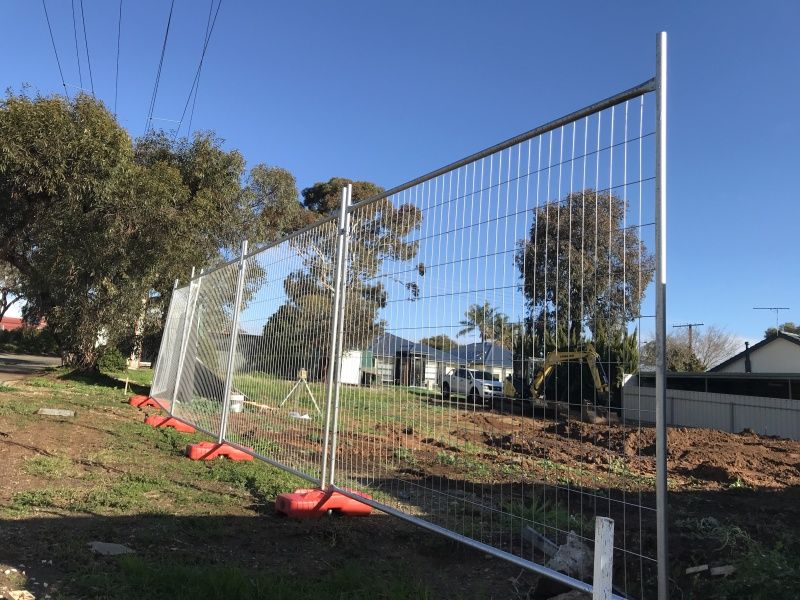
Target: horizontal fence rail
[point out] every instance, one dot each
(454, 347)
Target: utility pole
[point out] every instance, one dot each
(777, 310)
(691, 327)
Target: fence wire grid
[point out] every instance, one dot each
(455, 348)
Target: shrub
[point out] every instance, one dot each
(112, 360)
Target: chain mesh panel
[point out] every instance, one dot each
(491, 313)
(166, 369)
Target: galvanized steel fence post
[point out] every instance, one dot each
(340, 335)
(662, 553)
(337, 301)
(237, 309)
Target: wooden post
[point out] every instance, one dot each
(603, 558)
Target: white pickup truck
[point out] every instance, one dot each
(475, 385)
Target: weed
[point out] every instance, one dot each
(5, 388)
(405, 455)
(446, 458)
(545, 515)
(47, 466)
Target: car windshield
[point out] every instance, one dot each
(485, 375)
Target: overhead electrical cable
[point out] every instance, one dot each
(53, 41)
(196, 83)
(77, 51)
(86, 44)
(158, 72)
(116, 75)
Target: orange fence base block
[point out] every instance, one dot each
(212, 450)
(157, 421)
(311, 503)
(142, 401)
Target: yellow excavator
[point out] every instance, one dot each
(593, 410)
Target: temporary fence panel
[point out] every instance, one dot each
(200, 379)
(283, 359)
(169, 355)
(467, 284)
(482, 317)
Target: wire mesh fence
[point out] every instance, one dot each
(508, 303)
(170, 351)
(283, 359)
(199, 393)
(455, 347)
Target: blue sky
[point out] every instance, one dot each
(385, 92)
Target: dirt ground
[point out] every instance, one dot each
(729, 493)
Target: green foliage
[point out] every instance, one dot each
(440, 342)
(47, 466)
(596, 290)
(788, 327)
(28, 340)
(99, 227)
(679, 357)
(301, 326)
(10, 287)
(489, 322)
(111, 360)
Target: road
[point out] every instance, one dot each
(17, 366)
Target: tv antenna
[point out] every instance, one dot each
(691, 327)
(777, 310)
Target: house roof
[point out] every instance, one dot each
(789, 337)
(479, 353)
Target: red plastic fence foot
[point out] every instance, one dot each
(142, 401)
(157, 421)
(311, 503)
(212, 450)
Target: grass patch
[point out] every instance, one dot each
(549, 516)
(6, 388)
(48, 466)
(131, 577)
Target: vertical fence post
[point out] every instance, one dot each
(340, 337)
(188, 316)
(603, 558)
(337, 289)
(237, 309)
(662, 555)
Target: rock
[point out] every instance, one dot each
(697, 569)
(109, 549)
(722, 571)
(55, 412)
(574, 558)
(20, 595)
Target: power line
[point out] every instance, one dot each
(77, 52)
(158, 72)
(86, 44)
(691, 327)
(53, 41)
(196, 83)
(116, 76)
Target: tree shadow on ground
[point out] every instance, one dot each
(252, 557)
